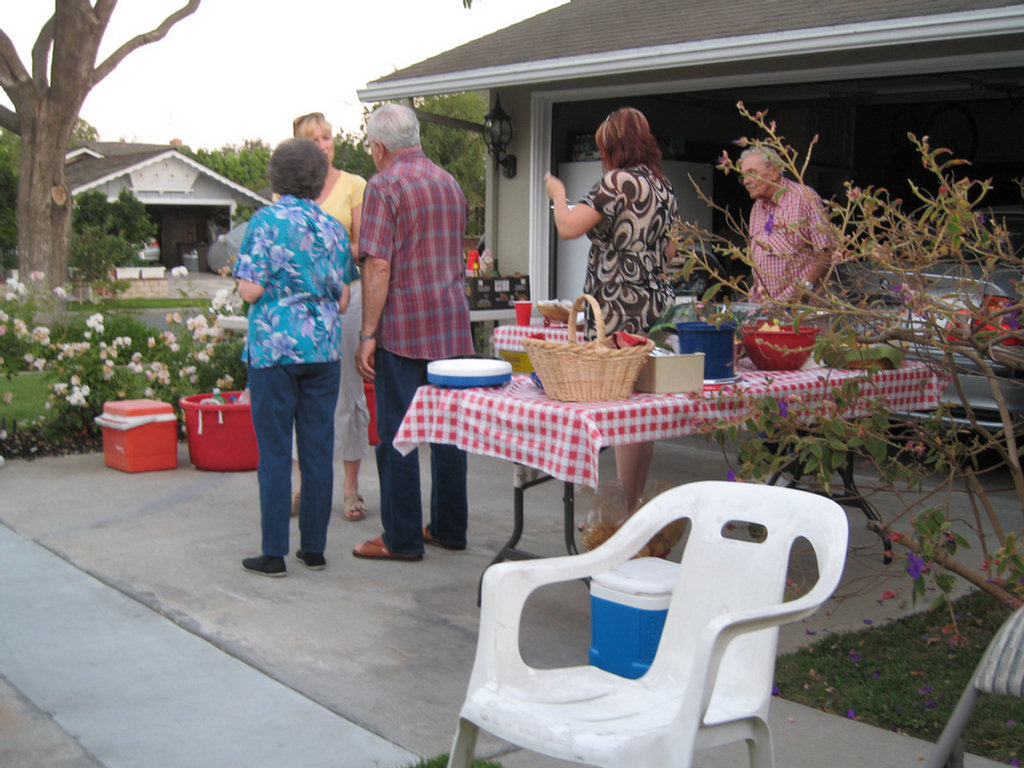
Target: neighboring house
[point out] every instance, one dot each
(190, 204)
(857, 74)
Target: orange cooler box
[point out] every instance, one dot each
(139, 435)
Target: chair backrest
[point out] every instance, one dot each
(727, 570)
(1001, 669)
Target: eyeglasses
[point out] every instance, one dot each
(303, 118)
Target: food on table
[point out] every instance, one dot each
(880, 356)
(773, 347)
(556, 311)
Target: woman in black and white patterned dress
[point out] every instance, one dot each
(627, 216)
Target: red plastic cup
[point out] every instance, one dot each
(523, 311)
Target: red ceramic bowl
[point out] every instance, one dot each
(784, 349)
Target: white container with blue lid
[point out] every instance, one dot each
(469, 372)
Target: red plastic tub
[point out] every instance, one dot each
(220, 435)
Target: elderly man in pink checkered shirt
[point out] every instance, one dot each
(790, 241)
(414, 311)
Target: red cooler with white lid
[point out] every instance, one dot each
(139, 435)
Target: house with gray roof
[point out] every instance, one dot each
(190, 204)
(858, 75)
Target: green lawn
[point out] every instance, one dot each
(108, 305)
(28, 397)
(907, 676)
(442, 760)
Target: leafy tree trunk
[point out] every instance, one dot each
(46, 104)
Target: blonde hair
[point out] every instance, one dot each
(304, 125)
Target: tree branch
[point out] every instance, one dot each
(9, 120)
(41, 53)
(952, 565)
(138, 41)
(12, 71)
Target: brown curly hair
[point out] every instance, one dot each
(625, 141)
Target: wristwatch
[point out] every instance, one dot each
(367, 336)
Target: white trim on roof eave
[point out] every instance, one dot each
(893, 32)
(79, 151)
(177, 156)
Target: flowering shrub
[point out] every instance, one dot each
(111, 357)
(907, 274)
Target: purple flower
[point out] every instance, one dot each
(770, 224)
(855, 657)
(775, 690)
(915, 565)
(783, 410)
(869, 622)
(731, 475)
(850, 714)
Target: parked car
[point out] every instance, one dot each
(151, 253)
(962, 283)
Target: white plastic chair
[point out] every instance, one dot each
(1000, 671)
(711, 679)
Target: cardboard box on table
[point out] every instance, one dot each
(666, 374)
(139, 435)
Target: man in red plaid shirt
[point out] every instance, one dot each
(414, 311)
(790, 241)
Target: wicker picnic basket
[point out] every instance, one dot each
(591, 370)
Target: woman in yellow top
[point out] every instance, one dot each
(342, 198)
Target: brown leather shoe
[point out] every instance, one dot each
(374, 549)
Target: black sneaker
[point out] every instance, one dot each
(265, 565)
(313, 561)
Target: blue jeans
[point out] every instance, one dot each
(302, 397)
(401, 510)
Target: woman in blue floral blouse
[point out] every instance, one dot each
(294, 267)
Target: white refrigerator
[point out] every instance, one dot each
(580, 177)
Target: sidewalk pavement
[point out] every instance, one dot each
(130, 635)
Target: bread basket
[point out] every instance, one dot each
(587, 371)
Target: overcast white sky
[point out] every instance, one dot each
(242, 70)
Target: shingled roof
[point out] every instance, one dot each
(96, 162)
(101, 159)
(583, 29)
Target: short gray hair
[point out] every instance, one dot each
(769, 155)
(395, 126)
(299, 168)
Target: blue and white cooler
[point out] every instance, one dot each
(628, 606)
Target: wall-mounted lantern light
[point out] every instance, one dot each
(497, 134)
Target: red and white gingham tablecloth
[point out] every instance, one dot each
(518, 422)
(510, 337)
